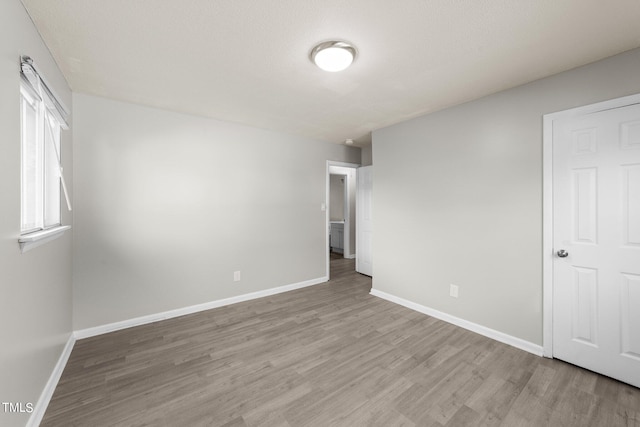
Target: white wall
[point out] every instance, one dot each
(35, 287)
(169, 205)
(458, 198)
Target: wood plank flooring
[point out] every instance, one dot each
(327, 355)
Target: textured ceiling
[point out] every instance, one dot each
(247, 61)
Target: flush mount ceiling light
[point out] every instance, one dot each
(333, 55)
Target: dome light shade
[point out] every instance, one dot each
(333, 55)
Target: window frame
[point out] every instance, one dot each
(45, 178)
(42, 119)
(29, 99)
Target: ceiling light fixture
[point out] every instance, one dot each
(333, 55)
(348, 141)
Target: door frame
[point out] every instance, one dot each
(328, 207)
(547, 205)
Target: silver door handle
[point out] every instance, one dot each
(562, 253)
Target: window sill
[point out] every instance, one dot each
(33, 240)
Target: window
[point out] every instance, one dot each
(42, 118)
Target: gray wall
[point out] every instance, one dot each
(336, 197)
(458, 198)
(366, 155)
(35, 287)
(170, 205)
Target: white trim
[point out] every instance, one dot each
(595, 108)
(473, 327)
(547, 236)
(143, 320)
(33, 240)
(327, 197)
(45, 397)
(547, 205)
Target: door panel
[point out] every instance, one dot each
(630, 135)
(585, 295)
(631, 205)
(630, 315)
(596, 287)
(585, 193)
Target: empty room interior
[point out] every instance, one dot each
(289, 213)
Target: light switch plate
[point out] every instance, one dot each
(453, 291)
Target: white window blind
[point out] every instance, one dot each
(42, 118)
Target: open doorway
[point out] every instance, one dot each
(340, 239)
(341, 188)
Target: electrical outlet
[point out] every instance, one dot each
(236, 276)
(453, 291)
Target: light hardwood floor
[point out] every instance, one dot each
(326, 355)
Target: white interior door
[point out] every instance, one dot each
(364, 223)
(596, 238)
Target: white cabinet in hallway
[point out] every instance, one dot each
(337, 236)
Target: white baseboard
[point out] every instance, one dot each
(45, 397)
(137, 321)
(351, 256)
(474, 327)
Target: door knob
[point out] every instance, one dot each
(562, 253)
